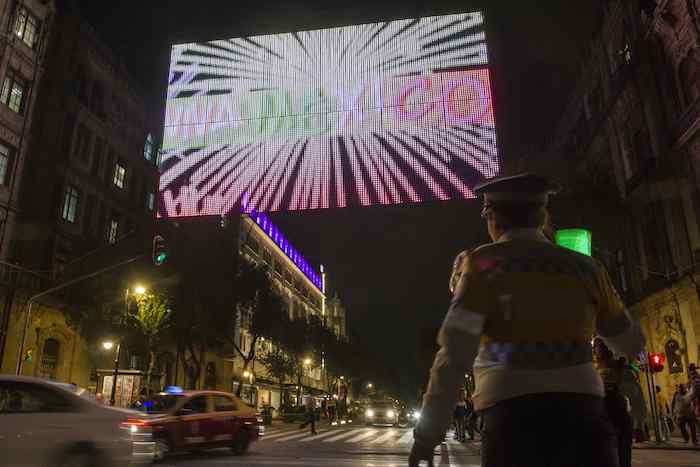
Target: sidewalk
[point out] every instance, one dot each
(674, 444)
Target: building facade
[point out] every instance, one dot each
(92, 171)
(25, 28)
(301, 289)
(628, 141)
(88, 169)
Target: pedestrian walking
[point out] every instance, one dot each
(664, 415)
(460, 416)
(683, 411)
(522, 317)
(471, 419)
(310, 416)
(617, 404)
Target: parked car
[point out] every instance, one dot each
(178, 420)
(45, 423)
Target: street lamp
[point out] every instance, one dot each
(307, 361)
(370, 385)
(139, 290)
(109, 345)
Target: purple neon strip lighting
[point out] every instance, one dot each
(276, 236)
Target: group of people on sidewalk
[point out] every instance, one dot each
(683, 411)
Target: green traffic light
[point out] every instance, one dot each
(160, 258)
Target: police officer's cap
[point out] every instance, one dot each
(517, 189)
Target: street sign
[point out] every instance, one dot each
(578, 240)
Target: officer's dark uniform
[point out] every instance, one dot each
(522, 317)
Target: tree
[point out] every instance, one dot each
(278, 364)
(295, 341)
(263, 313)
(151, 320)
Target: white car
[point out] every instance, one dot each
(43, 423)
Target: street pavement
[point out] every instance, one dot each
(357, 445)
(345, 446)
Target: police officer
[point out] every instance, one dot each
(522, 318)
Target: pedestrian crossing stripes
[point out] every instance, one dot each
(364, 435)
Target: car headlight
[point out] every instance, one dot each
(370, 413)
(390, 413)
(415, 415)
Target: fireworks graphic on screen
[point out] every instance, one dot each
(384, 113)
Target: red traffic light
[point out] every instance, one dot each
(656, 362)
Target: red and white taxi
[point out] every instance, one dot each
(179, 420)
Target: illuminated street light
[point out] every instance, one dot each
(246, 374)
(307, 361)
(342, 377)
(370, 385)
(107, 345)
(139, 290)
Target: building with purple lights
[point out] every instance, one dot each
(302, 288)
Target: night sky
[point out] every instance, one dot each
(389, 265)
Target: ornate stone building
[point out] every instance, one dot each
(628, 148)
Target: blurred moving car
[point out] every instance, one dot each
(178, 420)
(381, 413)
(46, 423)
(413, 417)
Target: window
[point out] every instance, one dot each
(224, 404)
(151, 201)
(27, 27)
(5, 163)
(49, 359)
(14, 90)
(119, 179)
(70, 204)
(626, 53)
(196, 405)
(113, 231)
(16, 397)
(148, 148)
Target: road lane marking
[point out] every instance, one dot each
(407, 438)
(278, 434)
(294, 436)
(361, 436)
(342, 435)
(385, 437)
(321, 436)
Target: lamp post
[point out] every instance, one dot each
(138, 291)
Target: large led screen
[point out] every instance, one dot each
(383, 113)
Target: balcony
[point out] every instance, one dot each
(687, 124)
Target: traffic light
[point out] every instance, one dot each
(160, 250)
(656, 362)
